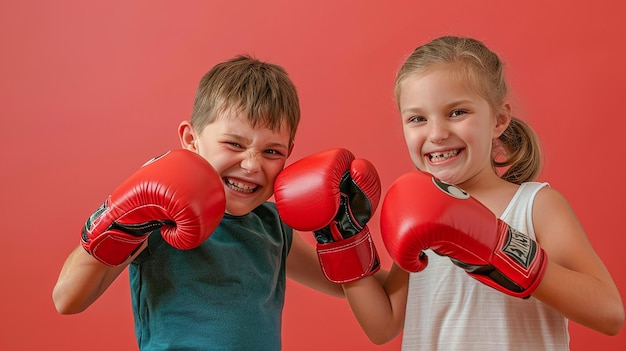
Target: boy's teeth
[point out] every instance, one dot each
(240, 186)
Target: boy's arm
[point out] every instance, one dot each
(179, 193)
(303, 267)
(83, 279)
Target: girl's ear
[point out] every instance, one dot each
(503, 119)
(187, 136)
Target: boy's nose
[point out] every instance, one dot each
(251, 162)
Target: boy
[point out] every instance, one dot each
(189, 292)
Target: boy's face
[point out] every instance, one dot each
(248, 159)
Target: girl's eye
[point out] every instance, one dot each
(457, 113)
(233, 144)
(417, 119)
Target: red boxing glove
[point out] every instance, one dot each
(178, 192)
(421, 212)
(334, 195)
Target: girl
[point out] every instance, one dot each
(458, 126)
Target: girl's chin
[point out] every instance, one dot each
(445, 177)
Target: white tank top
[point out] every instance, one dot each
(449, 310)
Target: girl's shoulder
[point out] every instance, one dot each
(547, 197)
(554, 220)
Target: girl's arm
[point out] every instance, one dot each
(379, 304)
(576, 282)
(378, 301)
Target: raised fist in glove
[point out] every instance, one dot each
(333, 194)
(421, 212)
(178, 192)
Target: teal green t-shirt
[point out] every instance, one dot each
(226, 294)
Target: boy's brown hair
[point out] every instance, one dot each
(261, 91)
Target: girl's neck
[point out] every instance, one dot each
(493, 192)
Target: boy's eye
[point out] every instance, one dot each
(273, 152)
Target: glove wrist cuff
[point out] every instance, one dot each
(113, 247)
(350, 259)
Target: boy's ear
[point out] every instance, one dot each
(187, 136)
(290, 149)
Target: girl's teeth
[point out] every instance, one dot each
(442, 156)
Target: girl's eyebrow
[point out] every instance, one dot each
(411, 109)
(416, 109)
(458, 102)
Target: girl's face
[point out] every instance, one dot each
(448, 128)
(247, 158)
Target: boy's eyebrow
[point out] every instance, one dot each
(244, 139)
(277, 145)
(235, 136)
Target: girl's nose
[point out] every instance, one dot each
(437, 132)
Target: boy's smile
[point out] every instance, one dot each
(240, 186)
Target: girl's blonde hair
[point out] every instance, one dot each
(516, 152)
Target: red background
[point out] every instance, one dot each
(92, 89)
